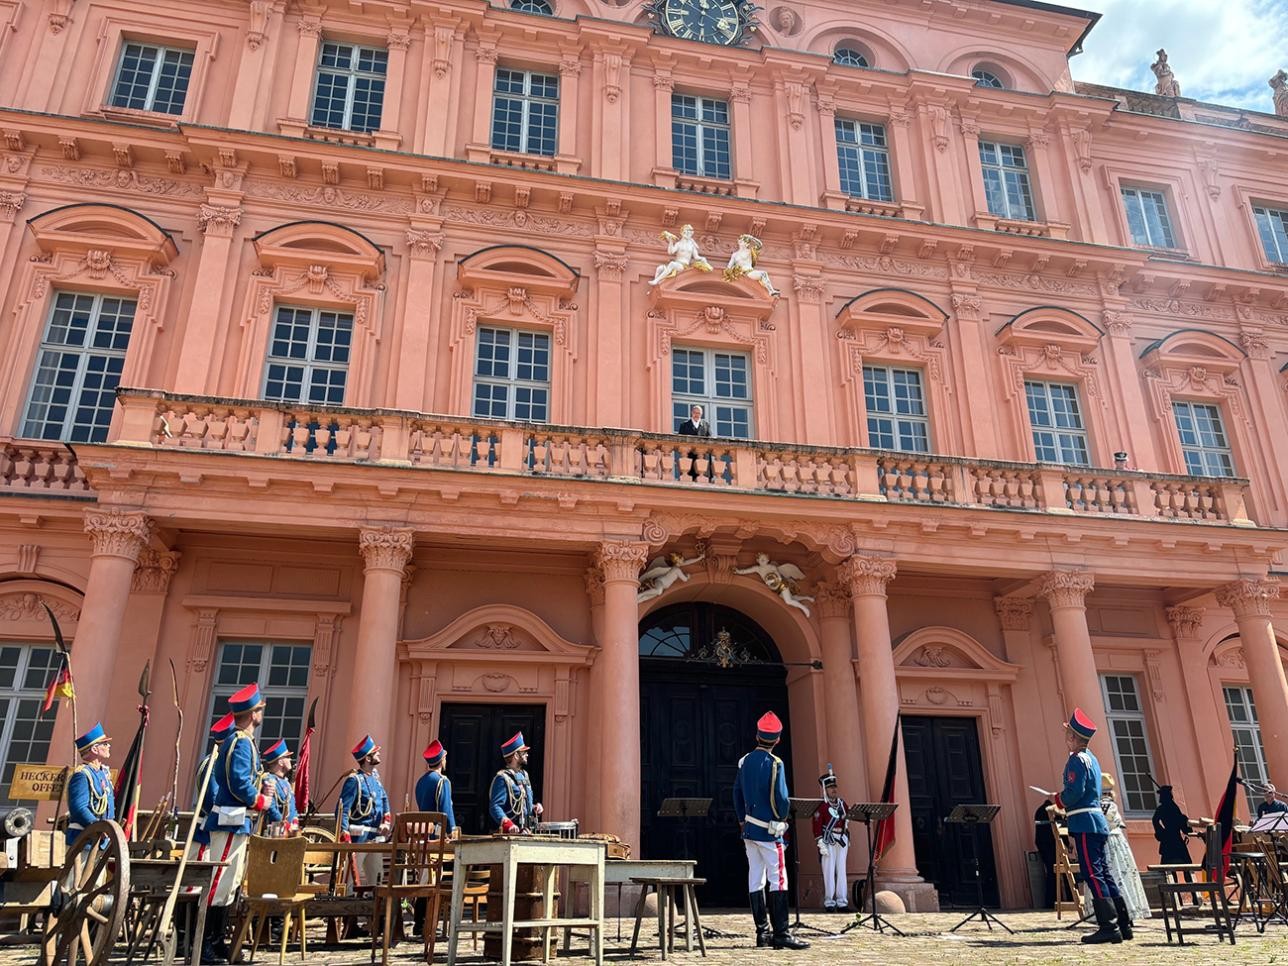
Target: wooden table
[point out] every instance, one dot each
(151, 881)
(509, 852)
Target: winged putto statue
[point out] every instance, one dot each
(782, 579)
(662, 573)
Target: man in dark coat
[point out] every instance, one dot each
(695, 425)
(1171, 827)
(1044, 841)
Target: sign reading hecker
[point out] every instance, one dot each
(38, 783)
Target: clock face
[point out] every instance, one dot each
(708, 21)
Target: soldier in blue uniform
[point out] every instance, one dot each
(512, 804)
(220, 731)
(1080, 800)
(365, 815)
(90, 797)
(760, 802)
(281, 805)
(434, 790)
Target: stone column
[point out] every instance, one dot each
(905, 149)
(118, 539)
(867, 577)
(663, 159)
(1250, 600)
(11, 202)
(413, 367)
(197, 355)
(740, 119)
(251, 90)
(371, 685)
(844, 729)
(620, 563)
(1066, 594)
(298, 107)
(568, 151)
(485, 57)
(1136, 426)
(589, 780)
(397, 44)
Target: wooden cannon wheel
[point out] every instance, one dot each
(86, 917)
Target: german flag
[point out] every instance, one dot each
(885, 828)
(60, 686)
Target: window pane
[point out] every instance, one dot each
(719, 382)
(308, 357)
(350, 88)
(512, 375)
(25, 671)
(1272, 226)
(134, 76)
(1204, 445)
(1130, 741)
(282, 672)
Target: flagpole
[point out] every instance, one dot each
(178, 738)
(67, 772)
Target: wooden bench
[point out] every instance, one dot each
(665, 888)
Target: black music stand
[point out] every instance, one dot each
(971, 817)
(685, 809)
(867, 813)
(802, 810)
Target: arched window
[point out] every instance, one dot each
(850, 57)
(707, 634)
(986, 78)
(543, 7)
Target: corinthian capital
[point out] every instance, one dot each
(118, 533)
(156, 567)
(833, 599)
(1249, 598)
(1185, 621)
(621, 560)
(1066, 588)
(1014, 612)
(867, 576)
(218, 221)
(385, 548)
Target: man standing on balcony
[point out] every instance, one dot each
(695, 425)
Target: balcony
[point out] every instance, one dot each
(334, 435)
(40, 468)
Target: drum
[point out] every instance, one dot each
(563, 830)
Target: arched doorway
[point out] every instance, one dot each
(707, 672)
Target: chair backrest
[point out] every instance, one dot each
(420, 844)
(274, 866)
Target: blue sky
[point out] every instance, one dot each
(1222, 51)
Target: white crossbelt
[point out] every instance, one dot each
(773, 828)
(1082, 811)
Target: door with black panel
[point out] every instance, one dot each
(472, 735)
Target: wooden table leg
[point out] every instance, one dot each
(661, 918)
(548, 897)
(639, 915)
(688, 919)
(509, 877)
(697, 919)
(199, 930)
(459, 872)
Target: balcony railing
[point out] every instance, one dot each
(324, 434)
(39, 467)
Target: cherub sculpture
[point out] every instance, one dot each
(661, 573)
(684, 254)
(1167, 85)
(781, 579)
(743, 262)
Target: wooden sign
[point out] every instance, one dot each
(37, 783)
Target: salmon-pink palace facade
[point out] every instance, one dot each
(330, 358)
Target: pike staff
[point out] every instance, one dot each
(62, 685)
(178, 739)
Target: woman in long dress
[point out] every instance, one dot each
(1122, 864)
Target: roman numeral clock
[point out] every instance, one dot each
(728, 23)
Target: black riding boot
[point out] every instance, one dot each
(1105, 914)
(761, 915)
(1124, 918)
(783, 938)
(213, 949)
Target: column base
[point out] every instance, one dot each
(917, 894)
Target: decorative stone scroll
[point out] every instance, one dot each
(621, 560)
(867, 575)
(386, 548)
(118, 533)
(1014, 613)
(1066, 588)
(1249, 598)
(153, 573)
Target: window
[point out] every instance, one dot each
(25, 672)
(1147, 217)
(1247, 739)
(525, 112)
(1272, 226)
(864, 160)
(1006, 181)
(152, 78)
(849, 57)
(512, 375)
(1203, 440)
(350, 87)
(1126, 721)
(78, 368)
(308, 356)
(719, 382)
(700, 136)
(1058, 434)
(986, 78)
(282, 672)
(896, 409)
(533, 6)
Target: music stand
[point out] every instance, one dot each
(971, 817)
(685, 809)
(802, 810)
(867, 813)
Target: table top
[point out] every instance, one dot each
(529, 849)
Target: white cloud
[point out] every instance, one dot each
(1223, 51)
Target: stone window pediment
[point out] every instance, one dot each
(1045, 326)
(696, 290)
(948, 652)
(1190, 348)
(506, 266)
(497, 632)
(882, 309)
(308, 243)
(84, 228)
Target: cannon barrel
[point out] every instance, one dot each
(15, 822)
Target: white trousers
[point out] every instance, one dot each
(371, 867)
(231, 848)
(765, 865)
(834, 890)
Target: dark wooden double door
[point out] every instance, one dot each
(472, 734)
(944, 770)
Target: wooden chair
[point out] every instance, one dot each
(272, 887)
(1066, 871)
(477, 880)
(1177, 885)
(415, 868)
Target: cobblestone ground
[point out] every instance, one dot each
(1039, 939)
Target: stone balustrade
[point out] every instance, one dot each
(396, 438)
(41, 467)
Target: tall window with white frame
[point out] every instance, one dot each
(1204, 444)
(350, 90)
(525, 112)
(26, 670)
(282, 671)
(1006, 181)
(700, 136)
(1148, 218)
(896, 409)
(78, 367)
(308, 355)
(512, 374)
(1272, 226)
(150, 77)
(1059, 435)
(719, 382)
(864, 159)
(1126, 723)
(1247, 738)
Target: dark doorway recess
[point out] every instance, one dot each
(707, 673)
(472, 734)
(944, 770)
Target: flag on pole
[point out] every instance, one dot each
(302, 763)
(1225, 816)
(885, 828)
(60, 686)
(129, 779)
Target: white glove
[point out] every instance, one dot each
(537, 809)
(822, 848)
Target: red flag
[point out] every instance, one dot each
(885, 829)
(302, 764)
(1225, 816)
(60, 686)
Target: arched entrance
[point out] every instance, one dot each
(707, 672)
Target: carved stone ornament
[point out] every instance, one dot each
(386, 548)
(11, 203)
(833, 599)
(1015, 613)
(867, 576)
(610, 265)
(217, 221)
(932, 655)
(621, 560)
(27, 607)
(424, 243)
(1118, 323)
(155, 568)
(1232, 658)
(1185, 621)
(498, 637)
(1066, 588)
(1167, 85)
(1249, 598)
(594, 579)
(118, 533)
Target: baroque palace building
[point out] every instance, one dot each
(330, 359)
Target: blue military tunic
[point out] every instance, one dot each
(760, 795)
(364, 804)
(90, 799)
(207, 803)
(240, 780)
(511, 798)
(281, 803)
(1081, 796)
(434, 794)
